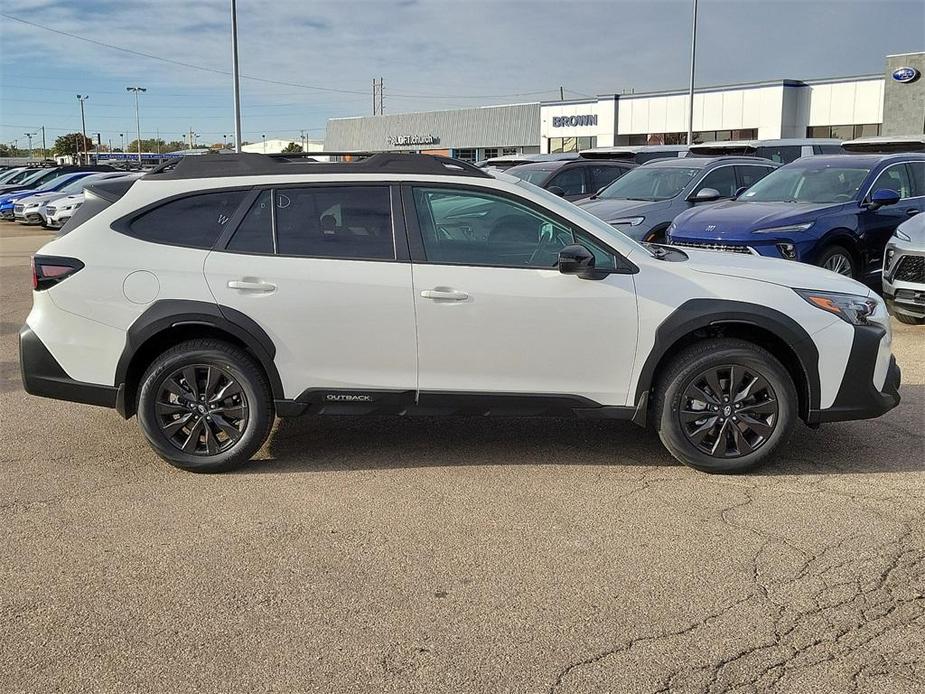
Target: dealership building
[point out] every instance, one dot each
(890, 103)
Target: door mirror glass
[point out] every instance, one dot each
(706, 195)
(883, 197)
(556, 190)
(575, 260)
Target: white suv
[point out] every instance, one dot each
(216, 293)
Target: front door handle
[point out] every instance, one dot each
(252, 285)
(912, 211)
(444, 295)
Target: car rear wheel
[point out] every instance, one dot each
(725, 405)
(205, 406)
(838, 259)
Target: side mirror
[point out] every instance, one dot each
(575, 260)
(739, 191)
(706, 195)
(556, 190)
(883, 197)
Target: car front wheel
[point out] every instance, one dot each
(838, 260)
(725, 405)
(205, 406)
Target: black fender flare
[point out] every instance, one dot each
(698, 314)
(166, 314)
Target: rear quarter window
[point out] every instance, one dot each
(194, 221)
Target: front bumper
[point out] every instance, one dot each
(858, 397)
(42, 375)
(904, 278)
(31, 217)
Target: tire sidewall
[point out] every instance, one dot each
(670, 429)
(839, 250)
(254, 390)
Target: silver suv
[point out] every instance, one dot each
(904, 271)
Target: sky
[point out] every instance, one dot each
(306, 61)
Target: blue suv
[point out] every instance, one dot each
(835, 211)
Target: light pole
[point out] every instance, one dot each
(264, 143)
(224, 141)
(83, 129)
(690, 97)
(135, 90)
(235, 76)
(302, 135)
(29, 135)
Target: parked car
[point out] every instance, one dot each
(833, 211)
(781, 151)
(638, 154)
(904, 271)
(505, 162)
(885, 144)
(12, 175)
(212, 295)
(39, 177)
(30, 209)
(643, 203)
(8, 201)
(572, 179)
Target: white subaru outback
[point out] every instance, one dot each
(218, 292)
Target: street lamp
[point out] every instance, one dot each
(264, 143)
(236, 82)
(122, 135)
(29, 135)
(135, 90)
(225, 141)
(83, 129)
(690, 96)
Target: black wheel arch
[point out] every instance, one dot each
(699, 319)
(844, 238)
(170, 321)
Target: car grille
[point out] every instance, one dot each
(910, 268)
(18, 208)
(727, 248)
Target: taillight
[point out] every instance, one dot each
(48, 270)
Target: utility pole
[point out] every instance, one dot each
(135, 90)
(29, 135)
(374, 96)
(690, 97)
(381, 88)
(157, 141)
(122, 135)
(44, 151)
(302, 136)
(264, 143)
(236, 76)
(83, 128)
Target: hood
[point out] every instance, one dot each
(40, 197)
(786, 273)
(915, 229)
(16, 195)
(608, 210)
(741, 216)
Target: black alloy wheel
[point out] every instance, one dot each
(201, 409)
(728, 411)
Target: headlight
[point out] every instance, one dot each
(851, 308)
(786, 229)
(901, 235)
(627, 221)
(31, 205)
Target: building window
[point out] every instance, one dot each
(571, 144)
(681, 138)
(466, 154)
(490, 153)
(508, 151)
(844, 132)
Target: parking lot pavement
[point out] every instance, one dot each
(459, 555)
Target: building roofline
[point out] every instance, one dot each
(439, 110)
(903, 55)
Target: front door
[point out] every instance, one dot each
(316, 267)
(495, 316)
(878, 225)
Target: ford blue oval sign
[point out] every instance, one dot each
(905, 74)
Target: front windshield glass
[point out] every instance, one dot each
(77, 185)
(815, 184)
(650, 183)
(535, 176)
(53, 183)
(22, 176)
(598, 227)
(10, 176)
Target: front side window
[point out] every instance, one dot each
(722, 179)
(650, 183)
(337, 222)
(604, 175)
(571, 181)
(749, 175)
(195, 221)
(815, 184)
(471, 228)
(894, 178)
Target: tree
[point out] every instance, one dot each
(72, 143)
(148, 145)
(292, 148)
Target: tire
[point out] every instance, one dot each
(908, 320)
(838, 259)
(739, 442)
(208, 426)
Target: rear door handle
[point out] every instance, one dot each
(252, 286)
(444, 295)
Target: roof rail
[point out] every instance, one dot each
(247, 164)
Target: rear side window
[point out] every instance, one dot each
(917, 170)
(604, 175)
(338, 222)
(255, 233)
(194, 221)
(782, 155)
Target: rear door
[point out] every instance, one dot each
(319, 269)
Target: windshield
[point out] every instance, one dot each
(819, 184)
(598, 226)
(10, 176)
(535, 176)
(53, 183)
(655, 183)
(22, 176)
(77, 185)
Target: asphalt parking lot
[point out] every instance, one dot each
(459, 555)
